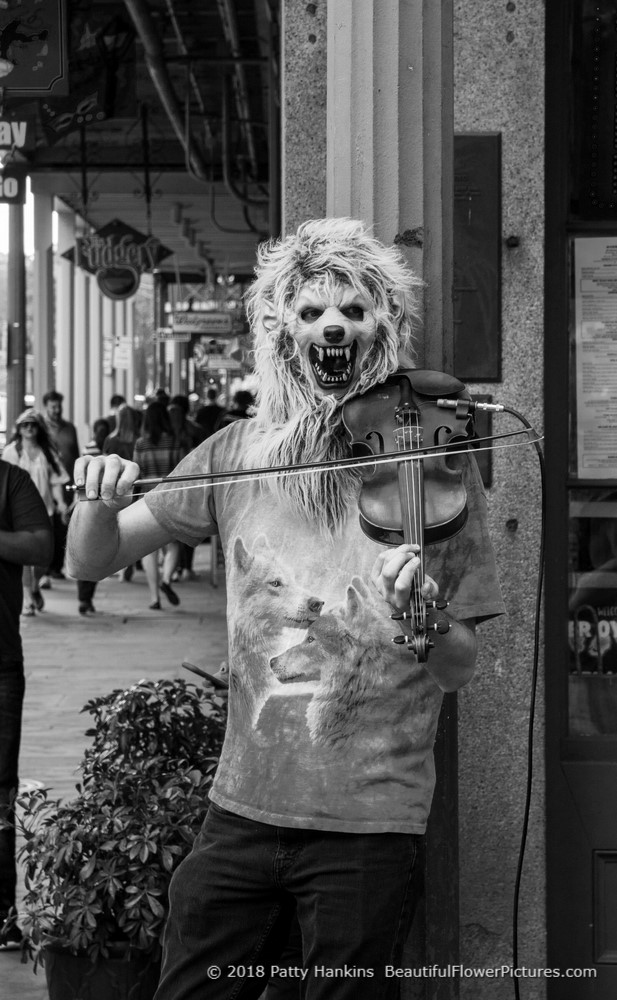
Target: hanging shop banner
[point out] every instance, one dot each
(595, 294)
(118, 255)
(33, 48)
(213, 323)
(102, 70)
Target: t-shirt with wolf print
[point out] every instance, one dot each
(331, 725)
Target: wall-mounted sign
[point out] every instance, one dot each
(214, 323)
(33, 51)
(118, 255)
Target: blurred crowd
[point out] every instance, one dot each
(157, 437)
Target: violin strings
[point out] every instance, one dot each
(361, 463)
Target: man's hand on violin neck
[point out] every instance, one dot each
(107, 477)
(395, 574)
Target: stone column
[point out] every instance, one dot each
(389, 140)
(95, 350)
(108, 336)
(42, 335)
(64, 311)
(303, 112)
(16, 317)
(82, 416)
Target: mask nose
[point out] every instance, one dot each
(334, 334)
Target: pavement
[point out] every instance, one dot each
(71, 659)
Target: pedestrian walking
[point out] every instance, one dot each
(32, 449)
(157, 453)
(64, 436)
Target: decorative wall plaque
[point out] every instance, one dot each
(477, 257)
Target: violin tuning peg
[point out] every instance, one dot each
(400, 640)
(400, 616)
(441, 627)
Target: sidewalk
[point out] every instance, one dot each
(71, 659)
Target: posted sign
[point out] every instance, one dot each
(213, 323)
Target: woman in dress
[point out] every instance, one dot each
(157, 454)
(32, 449)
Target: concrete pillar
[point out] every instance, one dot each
(95, 350)
(109, 332)
(81, 360)
(303, 107)
(176, 369)
(42, 334)
(64, 311)
(389, 139)
(16, 317)
(129, 387)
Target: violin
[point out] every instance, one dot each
(421, 499)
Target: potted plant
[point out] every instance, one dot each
(97, 868)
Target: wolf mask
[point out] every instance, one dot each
(331, 311)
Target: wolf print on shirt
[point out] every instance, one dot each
(268, 603)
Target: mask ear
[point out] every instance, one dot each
(269, 316)
(397, 301)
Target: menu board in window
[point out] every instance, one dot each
(595, 299)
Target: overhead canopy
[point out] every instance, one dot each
(170, 124)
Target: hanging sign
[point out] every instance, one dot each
(33, 56)
(214, 323)
(168, 333)
(118, 255)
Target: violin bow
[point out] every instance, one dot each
(243, 475)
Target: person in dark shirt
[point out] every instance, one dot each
(209, 414)
(64, 435)
(25, 539)
(240, 409)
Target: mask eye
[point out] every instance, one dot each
(354, 312)
(311, 314)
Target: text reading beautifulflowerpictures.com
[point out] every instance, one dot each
(393, 972)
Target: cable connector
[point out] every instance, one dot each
(470, 405)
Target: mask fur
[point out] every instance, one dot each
(295, 422)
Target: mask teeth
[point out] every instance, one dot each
(333, 352)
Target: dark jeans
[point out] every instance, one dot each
(85, 591)
(60, 530)
(232, 902)
(12, 686)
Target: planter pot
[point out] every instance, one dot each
(75, 977)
